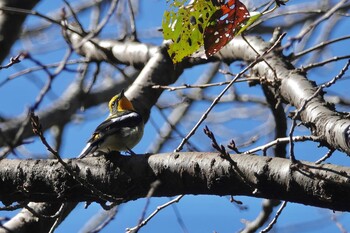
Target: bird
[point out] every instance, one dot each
(121, 131)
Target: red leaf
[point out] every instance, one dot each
(223, 25)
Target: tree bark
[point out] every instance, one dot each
(127, 178)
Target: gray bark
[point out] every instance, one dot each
(127, 178)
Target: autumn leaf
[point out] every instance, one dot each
(223, 25)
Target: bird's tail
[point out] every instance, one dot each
(87, 150)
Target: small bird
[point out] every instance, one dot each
(121, 131)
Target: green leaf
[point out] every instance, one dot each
(184, 25)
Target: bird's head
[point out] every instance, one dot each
(119, 103)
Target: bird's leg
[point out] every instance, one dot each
(131, 152)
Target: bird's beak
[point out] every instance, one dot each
(122, 93)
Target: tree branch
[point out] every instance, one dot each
(130, 177)
(295, 89)
(11, 24)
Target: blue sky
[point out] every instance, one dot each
(200, 213)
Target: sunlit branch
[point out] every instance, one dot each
(282, 140)
(319, 64)
(319, 46)
(327, 14)
(217, 99)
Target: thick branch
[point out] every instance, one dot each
(130, 178)
(25, 222)
(125, 52)
(295, 89)
(11, 24)
(158, 70)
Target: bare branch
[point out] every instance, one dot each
(274, 220)
(213, 175)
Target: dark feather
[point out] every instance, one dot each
(109, 127)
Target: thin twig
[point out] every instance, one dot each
(47, 86)
(95, 75)
(274, 220)
(327, 14)
(257, 53)
(225, 155)
(53, 65)
(13, 60)
(159, 208)
(99, 27)
(338, 224)
(111, 215)
(59, 218)
(179, 219)
(150, 193)
(282, 140)
(132, 21)
(28, 12)
(16, 141)
(220, 148)
(74, 16)
(319, 46)
(186, 86)
(322, 63)
(326, 156)
(37, 129)
(64, 25)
